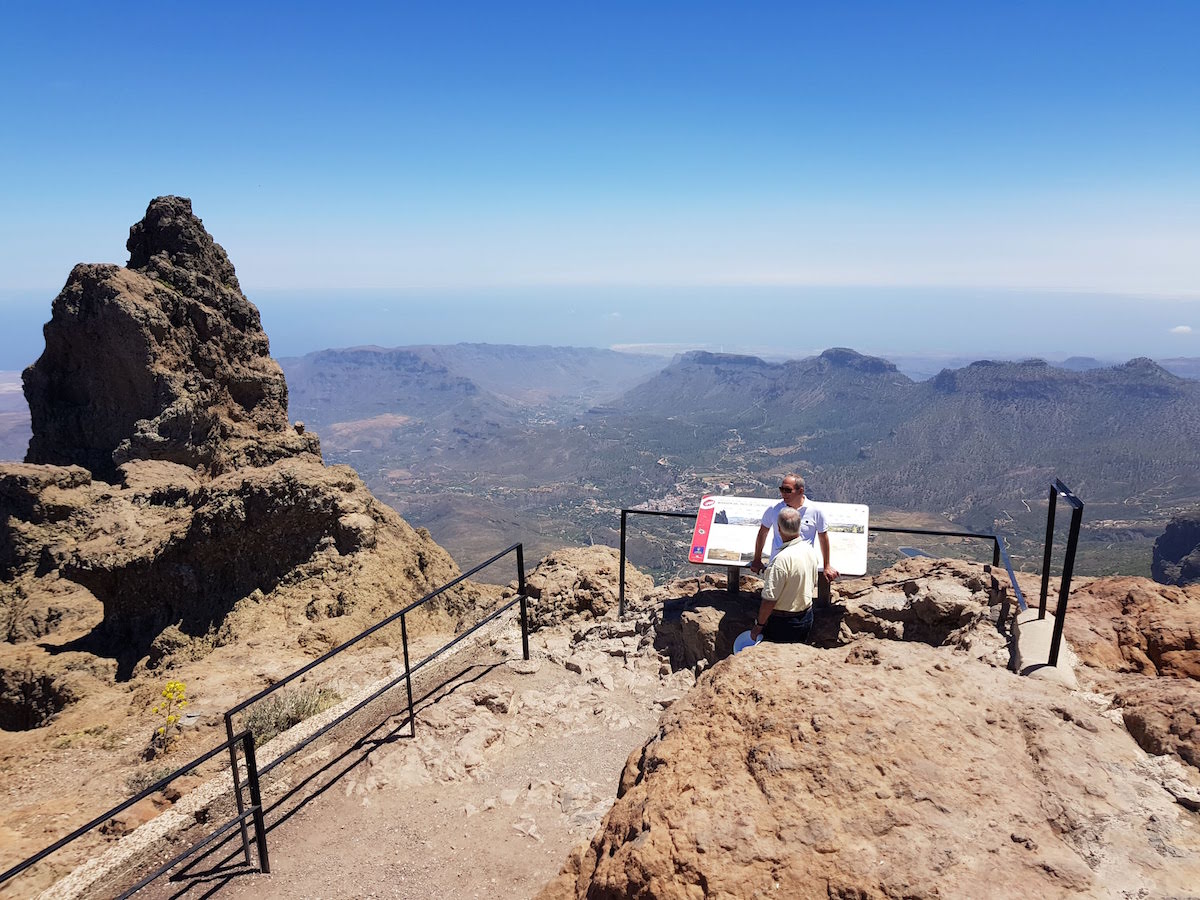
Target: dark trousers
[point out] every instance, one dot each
(789, 628)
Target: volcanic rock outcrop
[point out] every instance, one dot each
(162, 359)
(1176, 558)
(164, 480)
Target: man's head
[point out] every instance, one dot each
(789, 524)
(791, 488)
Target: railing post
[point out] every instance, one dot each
(621, 579)
(237, 782)
(524, 600)
(260, 828)
(1060, 613)
(1053, 502)
(412, 717)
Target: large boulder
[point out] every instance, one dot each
(162, 359)
(580, 583)
(1176, 557)
(886, 770)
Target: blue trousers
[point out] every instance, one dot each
(789, 628)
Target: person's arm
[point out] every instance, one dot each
(830, 572)
(765, 608)
(756, 565)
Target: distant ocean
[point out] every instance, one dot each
(774, 322)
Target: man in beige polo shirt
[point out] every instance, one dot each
(789, 586)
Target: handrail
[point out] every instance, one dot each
(253, 812)
(999, 551)
(409, 669)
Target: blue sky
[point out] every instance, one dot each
(891, 173)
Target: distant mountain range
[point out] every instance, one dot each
(454, 434)
(482, 442)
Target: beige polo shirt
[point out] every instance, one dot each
(791, 579)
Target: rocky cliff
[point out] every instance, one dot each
(167, 507)
(162, 359)
(1176, 557)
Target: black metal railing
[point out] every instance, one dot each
(252, 812)
(999, 551)
(245, 737)
(1060, 614)
(409, 670)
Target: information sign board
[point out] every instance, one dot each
(727, 527)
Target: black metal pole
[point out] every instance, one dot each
(412, 718)
(1060, 613)
(524, 601)
(621, 579)
(260, 828)
(733, 580)
(1048, 550)
(237, 782)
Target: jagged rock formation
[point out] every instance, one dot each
(162, 359)
(166, 487)
(1176, 557)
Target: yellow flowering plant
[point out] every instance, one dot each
(174, 699)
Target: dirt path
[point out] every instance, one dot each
(512, 765)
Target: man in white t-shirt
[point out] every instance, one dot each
(812, 526)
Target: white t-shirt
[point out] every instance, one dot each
(812, 523)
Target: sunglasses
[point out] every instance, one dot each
(788, 490)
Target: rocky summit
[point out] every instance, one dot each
(167, 509)
(163, 359)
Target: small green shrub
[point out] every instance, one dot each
(282, 711)
(143, 778)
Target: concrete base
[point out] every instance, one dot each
(1032, 638)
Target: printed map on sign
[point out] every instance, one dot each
(726, 528)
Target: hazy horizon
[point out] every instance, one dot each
(880, 322)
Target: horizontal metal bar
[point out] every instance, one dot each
(354, 640)
(931, 531)
(166, 867)
(432, 656)
(263, 770)
(104, 817)
(659, 512)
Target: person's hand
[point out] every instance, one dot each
(831, 573)
(757, 566)
(755, 632)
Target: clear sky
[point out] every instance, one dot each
(909, 177)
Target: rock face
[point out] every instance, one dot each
(1176, 557)
(163, 359)
(1140, 644)
(885, 770)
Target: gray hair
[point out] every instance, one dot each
(799, 481)
(789, 523)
